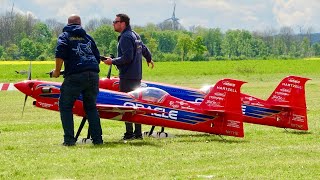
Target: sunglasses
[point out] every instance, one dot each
(114, 22)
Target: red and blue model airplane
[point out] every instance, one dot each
(219, 112)
(285, 108)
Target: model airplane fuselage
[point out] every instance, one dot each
(219, 112)
(285, 108)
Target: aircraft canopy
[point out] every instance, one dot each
(150, 94)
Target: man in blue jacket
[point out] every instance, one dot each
(129, 62)
(81, 58)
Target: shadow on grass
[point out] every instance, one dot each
(127, 143)
(208, 138)
(179, 138)
(297, 132)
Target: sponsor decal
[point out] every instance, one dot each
(233, 133)
(219, 94)
(292, 85)
(277, 98)
(233, 123)
(257, 104)
(213, 103)
(295, 81)
(297, 126)
(180, 105)
(285, 90)
(250, 98)
(226, 89)
(216, 98)
(297, 117)
(45, 105)
(227, 83)
(163, 112)
(281, 93)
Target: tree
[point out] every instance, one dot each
(229, 44)
(12, 52)
(55, 26)
(184, 45)
(244, 42)
(1, 51)
(316, 49)
(49, 52)
(213, 41)
(28, 49)
(113, 47)
(286, 36)
(305, 49)
(167, 41)
(153, 46)
(199, 48)
(259, 48)
(103, 36)
(95, 23)
(41, 33)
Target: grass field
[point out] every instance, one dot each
(31, 148)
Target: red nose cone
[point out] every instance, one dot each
(25, 87)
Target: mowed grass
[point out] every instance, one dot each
(30, 145)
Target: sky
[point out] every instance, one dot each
(252, 15)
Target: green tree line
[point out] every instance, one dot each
(25, 37)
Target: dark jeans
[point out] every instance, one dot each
(86, 84)
(127, 85)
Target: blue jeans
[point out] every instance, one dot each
(86, 84)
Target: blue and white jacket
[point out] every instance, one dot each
(78, 50)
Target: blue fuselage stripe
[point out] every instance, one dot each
(105, 97)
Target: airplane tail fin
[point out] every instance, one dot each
(289, 96)
(224, 100)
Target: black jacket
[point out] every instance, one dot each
(130, 52)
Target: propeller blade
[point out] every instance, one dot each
(29, 73)
(24, 104)
(26, 97)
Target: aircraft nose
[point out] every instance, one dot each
(25, 87)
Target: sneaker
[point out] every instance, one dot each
(127, 138)
(138, 137)
(84, 141)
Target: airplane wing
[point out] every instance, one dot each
(123, 109)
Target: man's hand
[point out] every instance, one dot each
(152, 64)
(108, 61)
(55, 73)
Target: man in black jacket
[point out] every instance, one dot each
(81, 58)
(129, 62)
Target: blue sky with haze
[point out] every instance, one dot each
(224, 14)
